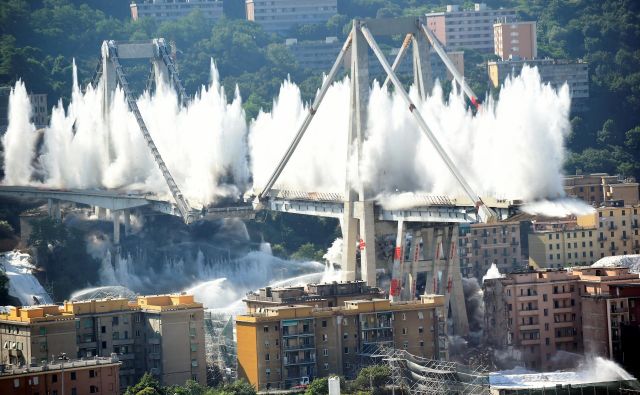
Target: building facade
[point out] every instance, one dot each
(555, 72)
(513, 40)
(533, 315)
(597, 188)
(169, 10)
(459, 29)
(283, 346)
(34, 334)
(617, 230)
(39, 109)
(160, 334)
(563, 244)
(480, 245)
(279, 16)
(75, 377)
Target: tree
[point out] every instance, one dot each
(632, 140)
(148, 385)
(238, 387)
(373, 378)
(319, 386)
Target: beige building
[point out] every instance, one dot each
(281, 346)
(533, 315)
(600, 187)
(160, 334)
(617, 230)
(558, 248)
(480, 245)
(515, 40)
(459, 29)
(279, 16)
(34, 334)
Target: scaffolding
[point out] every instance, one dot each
(419, 376)
(220, 346)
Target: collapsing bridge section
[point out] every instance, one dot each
(164, 68)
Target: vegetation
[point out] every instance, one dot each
(149, 385)
(61, 251)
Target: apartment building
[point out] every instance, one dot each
(609, 299)
(533, 315)
(597, 188)
(480, 245)
(554, 72)
(617, 230)
(39, 109)
(281, 346)
(279, 16)
(515, 40)
(169, 10)
(565, 243)
(160, 334)
(76, 377)
(459, 29)
(316, 295)
(34, 334)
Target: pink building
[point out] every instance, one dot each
(515, 40)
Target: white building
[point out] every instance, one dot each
(467, 29)
(167, 10)
(279, 16)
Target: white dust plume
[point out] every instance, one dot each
(558, 208)
(203, 144)
(492, 273)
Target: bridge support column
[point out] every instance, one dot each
(100, 212)
(127, 222)
(421, 65)
(368, 244)
(397, 272)
(53, 209)
(349, 240)
(116, 227)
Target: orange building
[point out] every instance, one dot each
(78, 377)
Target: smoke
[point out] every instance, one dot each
(492, 272)
(559, 208)
(203, 144)
(20, 138)
(474, 303)
(209, 148)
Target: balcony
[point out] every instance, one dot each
(530, 342)
(120, 342)
(529, 311)
(293, 347)
(613, 248)
(624, 237)
(299, 361)
(529, 327)
(300, 334)
(612, 227)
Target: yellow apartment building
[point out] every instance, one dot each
(281, 346)
(599, 187)
(34, 334)
(160, 334)
(617, 230)
(563, 246)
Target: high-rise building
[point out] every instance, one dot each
(77, 377)
(160, 334)
(617, 230)
(515, 40)
(279, 16)
(480, 245)
(459, 29)
(168, 10)
(555, 72)
(597, 188)
(566, 243)
(282, 346)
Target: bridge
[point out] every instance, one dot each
(430, 219)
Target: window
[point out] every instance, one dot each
(92, 373)
(43, 331)
(420, 315)
(267, 371)
(194, 347)
(324, 323)
(325, 352)
(73, 375)
(74, 391)
(194, 363)
(115, 335)
(266, 357)
(326, 366)
(93, 389)
(404, 316)
(54, 378)
(420, 329)
(345, 321)
(103, 329)
(346, 350)
(115, 321)
(265, 329)
(324, 337)
(404, 331)
(345, 336)
(16, 383)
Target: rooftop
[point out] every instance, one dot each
(48, 366)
